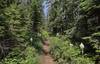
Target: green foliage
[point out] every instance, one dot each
(37, 42)
(77, 20)
(44, 34)
(83, 60)
(64, 53)
(86, 4)
(36, 15)
(15, 32)
(96, 34)
(18, 21)
(62, 15)
(6, 3)
(18, 56)
(31, 56)
(93, 40)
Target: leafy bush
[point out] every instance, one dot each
(17, 56)
(82, 60)
(36, 41)
(64, 53)
(31, 57)
(93, 40)
(44, 34)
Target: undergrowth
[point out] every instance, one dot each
(64, 53)
(19, 56)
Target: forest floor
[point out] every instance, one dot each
(46, 57)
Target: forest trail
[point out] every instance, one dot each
(46, 57)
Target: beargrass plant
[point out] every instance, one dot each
(64, 53)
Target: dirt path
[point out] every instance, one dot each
(46, 58)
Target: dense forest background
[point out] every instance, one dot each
(72, 26)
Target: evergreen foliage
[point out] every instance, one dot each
(16, 23)
(77, 19)
(72, 22)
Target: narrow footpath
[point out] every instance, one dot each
(46, 57)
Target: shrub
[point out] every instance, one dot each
(63, 53)
(44, 34)
(17, 56)
(83, 60)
